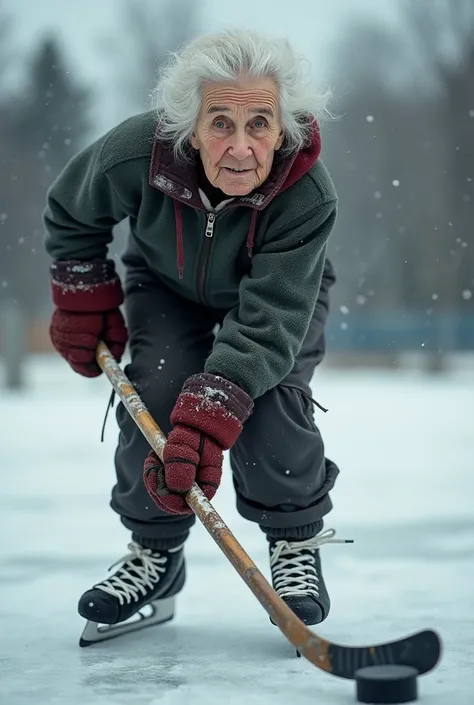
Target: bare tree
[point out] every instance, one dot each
(399, 158)
(152, 31)
(379, 151)
(44, 126)
(443, 33)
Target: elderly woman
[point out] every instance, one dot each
(226, 298)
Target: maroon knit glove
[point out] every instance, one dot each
(87, 296)
(208, 418)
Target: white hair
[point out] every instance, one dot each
(225, 57)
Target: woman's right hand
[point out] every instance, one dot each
(87, 296)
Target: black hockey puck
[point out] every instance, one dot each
(386, 684)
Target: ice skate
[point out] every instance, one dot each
(297, 576)
(141, 593)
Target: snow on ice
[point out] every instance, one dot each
(405, 446)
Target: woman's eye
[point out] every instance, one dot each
(220, 124)
(259, 123)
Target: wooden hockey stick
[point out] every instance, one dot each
(421, 650)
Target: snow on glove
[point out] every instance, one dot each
(207, 419)
(87, 296)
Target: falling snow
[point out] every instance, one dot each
(405, 539)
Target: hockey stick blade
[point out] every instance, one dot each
(421, 650)
(161, 611)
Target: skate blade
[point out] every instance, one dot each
(156, 612)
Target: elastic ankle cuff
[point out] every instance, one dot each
(163, 544)
(293, 533)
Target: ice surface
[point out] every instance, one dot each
(405, 444)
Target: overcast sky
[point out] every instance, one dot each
(311, 25)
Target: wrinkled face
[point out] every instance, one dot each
(237, 133)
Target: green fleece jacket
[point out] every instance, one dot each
(259, 257)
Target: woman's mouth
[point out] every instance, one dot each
(237, 171)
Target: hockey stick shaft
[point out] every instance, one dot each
(314, 648)
(421, 649)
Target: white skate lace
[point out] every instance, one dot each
(133, 579)
(293, 567)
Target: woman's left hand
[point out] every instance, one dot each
(207, 419)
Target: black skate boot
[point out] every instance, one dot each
(297, 576)
(146, 579)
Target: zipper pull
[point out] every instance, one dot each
(210, 224)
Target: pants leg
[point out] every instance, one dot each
(170, 338)
(281, 476)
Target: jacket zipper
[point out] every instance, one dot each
(211, 217)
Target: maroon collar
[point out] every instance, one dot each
(180, 181)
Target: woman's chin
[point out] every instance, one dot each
(236, 185)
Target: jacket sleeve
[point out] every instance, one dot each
(260, 337)
(82, 208)
(321, 310)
